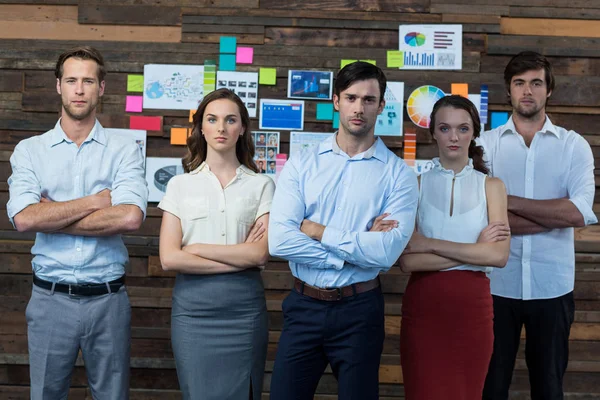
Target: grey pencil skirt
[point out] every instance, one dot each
(219, 334)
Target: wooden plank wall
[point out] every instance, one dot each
(285, 34)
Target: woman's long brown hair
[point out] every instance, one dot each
(196, 143)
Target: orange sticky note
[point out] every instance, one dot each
(461, 89)
(192, 112)
(179, 136)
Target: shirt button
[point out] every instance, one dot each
(339, 209)
(222, 233)
(222, 210)
(79, 249)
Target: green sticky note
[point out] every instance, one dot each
(374, 62)
(336, 120)
(343, 63)
(210, 62)
(395, 59)
(227, 62)
(227, 44)
(267, 76)
(324, 111)
(135, 83)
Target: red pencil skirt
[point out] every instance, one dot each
(446, 336)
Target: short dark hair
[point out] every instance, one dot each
(528, 61)
(360, 71)
(196, 142)
(84, 53)
(462, 103)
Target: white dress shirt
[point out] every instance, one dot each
(557, 164)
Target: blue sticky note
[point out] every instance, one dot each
(226, 62)
(498, 118)
(324, 111)
(227, 44)
(336, 120)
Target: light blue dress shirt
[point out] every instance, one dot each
(325, 185)
(52, 166)
(557, 164)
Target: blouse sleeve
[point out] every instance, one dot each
(169, 200)
(266, 198)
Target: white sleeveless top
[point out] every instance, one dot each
(469, 214)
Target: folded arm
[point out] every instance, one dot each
(173, 258)
(242, 255)
(379, 249)
(114, 220)
(492, 250)
(523, 226)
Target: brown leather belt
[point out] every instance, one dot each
(335, 294)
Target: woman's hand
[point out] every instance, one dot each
(256, 233)
(381, 225)
(494, 232)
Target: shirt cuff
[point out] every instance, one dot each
(589, 217)
(15, 207)
(331, 238)
(335, 261)
(167, 205)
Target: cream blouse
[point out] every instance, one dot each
(211, 214)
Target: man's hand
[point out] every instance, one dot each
(256, 233)
(494, 232)
(312, 229)
(103, 199)
(381, 225)
(417, 244)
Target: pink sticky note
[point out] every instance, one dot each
(134, 104)
(244, 55)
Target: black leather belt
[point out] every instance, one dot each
(90, 289)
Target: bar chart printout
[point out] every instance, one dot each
(431, 46)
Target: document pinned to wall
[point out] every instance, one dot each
(266, 146)
(173, 87)
(306, 140)
(281, 114)
(431, 46)
(389, 122)
(159, 171)
(244, 84)
(314, 85)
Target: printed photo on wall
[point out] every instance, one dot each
(266, 145)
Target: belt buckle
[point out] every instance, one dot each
(70, 294)
(338, 292)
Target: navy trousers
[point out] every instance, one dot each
(347, 334)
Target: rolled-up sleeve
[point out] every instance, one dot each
(380, 249)
(287, 213)
(129, 185)
(266, 198)
(24, 186)
(581, 182)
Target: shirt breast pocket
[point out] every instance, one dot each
(246, 208)
(195, 209)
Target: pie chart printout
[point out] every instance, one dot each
(414, 39)
(164, 175)
(420, 103)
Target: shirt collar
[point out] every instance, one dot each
(377, 150)
(464, 172)
(240, 171)
(547, 128)
(58, 135)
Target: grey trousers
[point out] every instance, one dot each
(58, 325)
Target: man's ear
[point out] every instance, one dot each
(381, 106)
(336, 102)
(58, 86)
(102, 85)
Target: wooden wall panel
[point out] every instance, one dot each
(306, 34)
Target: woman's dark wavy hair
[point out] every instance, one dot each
(196, 143)
(462, 103)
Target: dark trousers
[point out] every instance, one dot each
(547, 326)
(348, 334)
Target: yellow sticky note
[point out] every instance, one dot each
(192, 112)
(395, 59)
(179, 135)
(460, 89)
(135, 83)
(343, 63)
(267, 76)
(374, 62)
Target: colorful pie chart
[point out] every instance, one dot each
(420, 103)
(414, 39)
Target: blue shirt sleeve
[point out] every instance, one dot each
(287, 213)
(380, 249)
(24, 187)
(129, 185)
